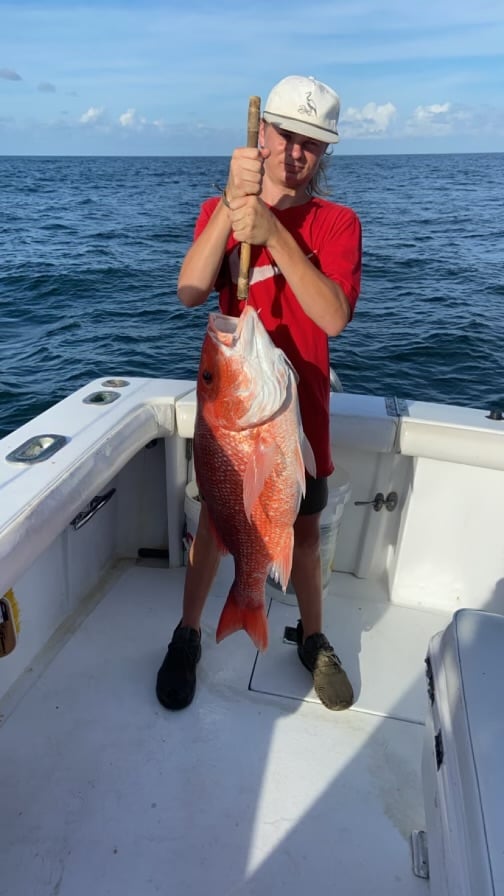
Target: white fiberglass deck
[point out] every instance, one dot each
(254, 789)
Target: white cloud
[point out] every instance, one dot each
(440, 120)
(371, 121)
(131, 119)
(94, 115)
(46, 87)
(128, 122)
(435, 120)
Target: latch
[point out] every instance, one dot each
(93, 507)
(438, 749)
(420, 854)
(380, 501)
(430, 680)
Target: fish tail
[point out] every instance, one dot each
(253, 620)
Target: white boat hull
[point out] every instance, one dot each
(255, 786)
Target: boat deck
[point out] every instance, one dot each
(254, 789)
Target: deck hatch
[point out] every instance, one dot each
(106, 396)
(115, 383)
(37, 449)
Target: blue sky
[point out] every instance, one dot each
(152, 78)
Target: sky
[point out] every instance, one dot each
(162, 78)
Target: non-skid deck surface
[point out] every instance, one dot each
(245, 792)
(381, 646)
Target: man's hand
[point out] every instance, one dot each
(245, 173)
(252, 221)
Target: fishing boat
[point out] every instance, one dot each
(256, 788)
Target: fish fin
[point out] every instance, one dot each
(234, 618)
(280, 569)
(259, 467)
(300, 471)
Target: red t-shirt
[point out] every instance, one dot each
(330, 235)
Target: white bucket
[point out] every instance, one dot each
(192, 505)
(330, 520)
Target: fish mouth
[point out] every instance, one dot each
(259, 362)
(226, 330)
(222, 328)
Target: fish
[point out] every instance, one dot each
(250, 457)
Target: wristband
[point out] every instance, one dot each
(224, 198)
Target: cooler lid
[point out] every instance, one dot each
(479, 638)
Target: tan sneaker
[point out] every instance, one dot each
(329, 678)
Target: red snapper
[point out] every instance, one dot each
(250, 456)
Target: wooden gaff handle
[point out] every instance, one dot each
(252, 137)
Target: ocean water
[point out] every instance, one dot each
(90, 250)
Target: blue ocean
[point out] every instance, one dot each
(90, 250)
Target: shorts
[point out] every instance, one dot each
(316, 497)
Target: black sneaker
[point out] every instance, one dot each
(176, 679)
(329, 678)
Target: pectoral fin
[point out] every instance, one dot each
(260, 465)
(282, 563)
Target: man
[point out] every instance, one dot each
(305, 280)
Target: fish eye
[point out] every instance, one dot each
(207, 376)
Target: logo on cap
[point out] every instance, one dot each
(310, 108)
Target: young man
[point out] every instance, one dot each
(305, 280)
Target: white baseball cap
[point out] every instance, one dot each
(304, 106)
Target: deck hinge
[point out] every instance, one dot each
(396, 407)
